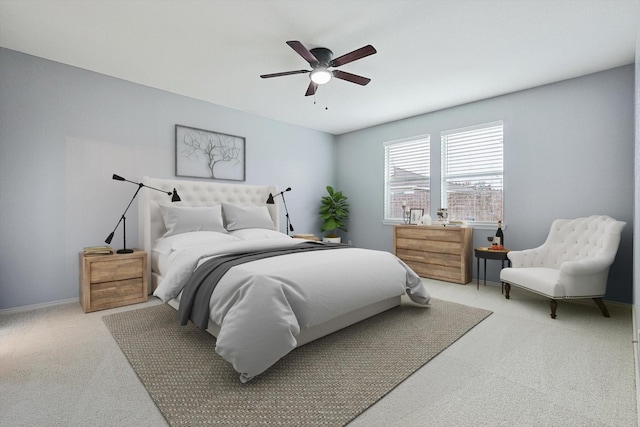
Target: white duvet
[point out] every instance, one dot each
(262, 306)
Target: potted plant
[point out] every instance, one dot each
(334, 212)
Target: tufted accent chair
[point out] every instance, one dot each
(573, 262)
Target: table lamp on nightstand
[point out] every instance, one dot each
(123, 219)
(270, 201)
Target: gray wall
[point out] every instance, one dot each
(64, 131)
(568, 150)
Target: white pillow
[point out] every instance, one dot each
(258, 234)
(178, 219)
(176, 242)
(239, 217)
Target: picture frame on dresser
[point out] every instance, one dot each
(203, 153)
(414, 215)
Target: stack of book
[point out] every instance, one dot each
(306, 237)
(97, 250)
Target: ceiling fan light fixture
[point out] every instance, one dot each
(321, 59)
(320, 75)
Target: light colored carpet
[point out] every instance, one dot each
(327, 382)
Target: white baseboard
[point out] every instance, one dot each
(37, 306)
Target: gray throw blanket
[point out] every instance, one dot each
(194, 303)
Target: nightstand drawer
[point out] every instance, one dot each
(108, 293)
(118, 270)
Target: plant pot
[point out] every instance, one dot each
(332, 239)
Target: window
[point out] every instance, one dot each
(472, 173)
(406, 176)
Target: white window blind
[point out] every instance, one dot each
(472, 173)
(407, 176)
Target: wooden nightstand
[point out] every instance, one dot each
(108, 281)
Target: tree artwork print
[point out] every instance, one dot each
(205, 154)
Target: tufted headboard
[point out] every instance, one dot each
(194, 193)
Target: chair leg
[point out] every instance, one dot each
(507, 289)
(602, 307)
(554, 305)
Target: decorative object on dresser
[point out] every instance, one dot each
(206, 154)
(270, 201)
(425, 220)
(414, 215)
(443, 216)
(123, 219)
(436, 252)
(405, 212)
(112, 280)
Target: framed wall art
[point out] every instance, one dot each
(206, 154)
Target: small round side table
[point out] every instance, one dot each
(488, 253)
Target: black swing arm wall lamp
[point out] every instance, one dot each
(270, 201)
(123, 219)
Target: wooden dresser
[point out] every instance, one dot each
(108, 281)
(436, 252)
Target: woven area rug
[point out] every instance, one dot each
(327, 382)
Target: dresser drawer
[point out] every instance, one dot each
(432, 234)
(438, 272)
(436, 258)
(430, 246)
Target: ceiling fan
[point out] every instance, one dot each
(321, 59)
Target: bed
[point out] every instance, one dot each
(260, 310)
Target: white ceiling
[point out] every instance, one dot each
(432, 54)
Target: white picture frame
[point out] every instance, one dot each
(414, 215)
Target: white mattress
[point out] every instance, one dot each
(159, 263)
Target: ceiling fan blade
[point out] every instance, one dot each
(303, 51)
(353, 78)
(311, 90)
(353, 56)
(286, 73)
